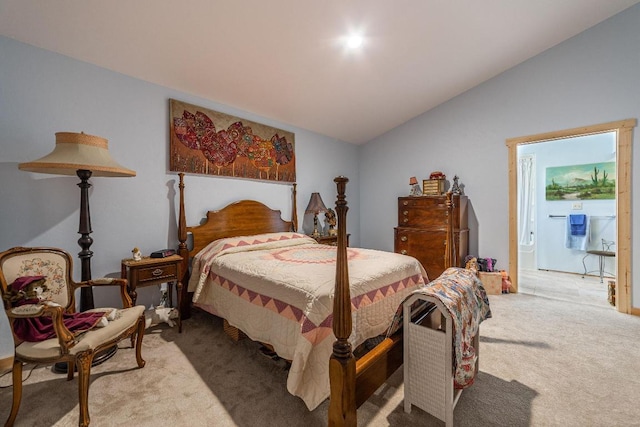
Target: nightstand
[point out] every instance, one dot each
(154, 271)
(329, 240)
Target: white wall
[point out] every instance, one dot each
(42, 93)
(589, 79)
(550, 230)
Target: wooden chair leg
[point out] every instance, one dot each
(83, 361)
(71, 367)
(139, 335)
(133, 339)
(17, 392)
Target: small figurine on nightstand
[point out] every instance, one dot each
(455, 189)
(415, 187)
(330, 219)
(137, 255)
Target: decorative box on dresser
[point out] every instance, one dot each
(422, 230)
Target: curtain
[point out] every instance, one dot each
(525, 200)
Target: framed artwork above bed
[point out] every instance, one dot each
(208, 142)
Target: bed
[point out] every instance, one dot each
(312, 303)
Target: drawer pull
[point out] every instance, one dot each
(403, 252)
(405, 213)
(405, 203)
(405, 220)
(157, 272)
(403, 238)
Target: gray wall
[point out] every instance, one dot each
(589, 79)
(42, 93)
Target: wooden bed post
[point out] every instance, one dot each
(342, 365)
(294, 213)
(185, 307)
(450, 254)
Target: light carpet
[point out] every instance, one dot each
(542, 363)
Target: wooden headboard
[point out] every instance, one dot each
(242, 218)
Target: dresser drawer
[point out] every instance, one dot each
(429, 247)
(421, 244)
(422, 218)
(153, 273)
(430, 212)
(423, 202)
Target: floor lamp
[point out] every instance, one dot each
(85, 156)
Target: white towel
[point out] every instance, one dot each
(577, 242)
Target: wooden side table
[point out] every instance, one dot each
(329, 240)
(154, 271)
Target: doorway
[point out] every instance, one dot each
(623, 131)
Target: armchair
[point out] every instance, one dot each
(54, 304)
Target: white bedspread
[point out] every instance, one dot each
(278, 288)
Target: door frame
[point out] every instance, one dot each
(624, 140)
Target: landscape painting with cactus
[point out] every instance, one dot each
(594, 181)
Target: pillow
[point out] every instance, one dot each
(284, 238)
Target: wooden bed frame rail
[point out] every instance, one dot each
(352, 382)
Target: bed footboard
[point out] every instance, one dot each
(352, 383)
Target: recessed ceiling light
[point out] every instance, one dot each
(354, 41)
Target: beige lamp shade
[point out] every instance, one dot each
(78, 151)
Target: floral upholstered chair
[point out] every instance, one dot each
(38, 295)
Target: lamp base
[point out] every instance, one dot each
(101, 357)
(315, 233)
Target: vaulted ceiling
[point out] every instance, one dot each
(287, 60)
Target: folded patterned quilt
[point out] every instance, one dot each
(463, 295)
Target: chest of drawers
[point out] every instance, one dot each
(422, 230)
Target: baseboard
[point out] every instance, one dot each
(6, 364)
(635, 311)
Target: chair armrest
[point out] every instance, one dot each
(109, 281)
(64, 335)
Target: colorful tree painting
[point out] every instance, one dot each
(208, 142)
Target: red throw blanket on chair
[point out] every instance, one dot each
(24, 290)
